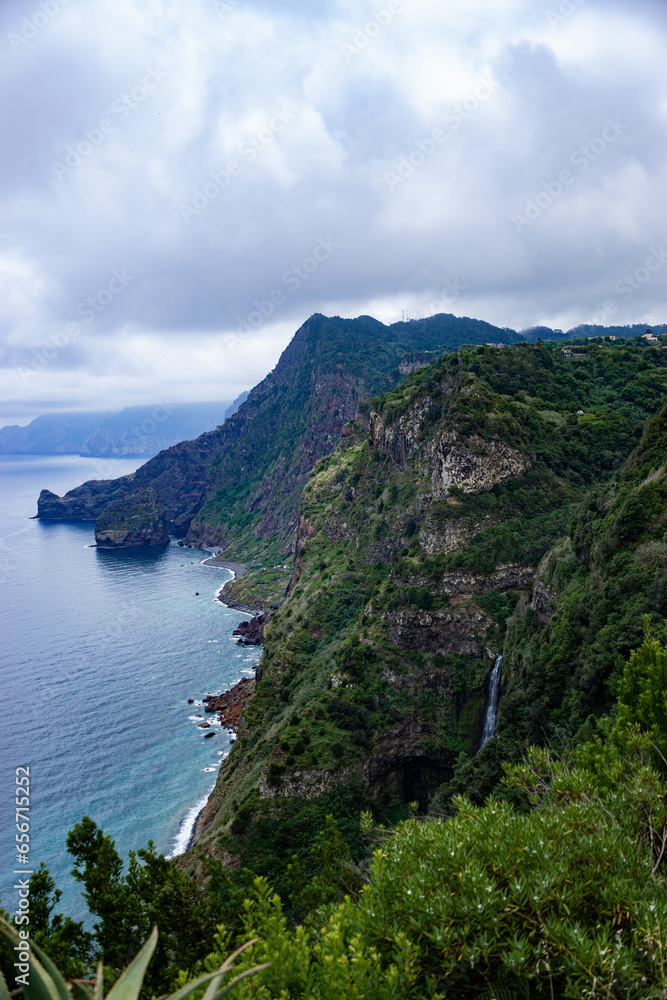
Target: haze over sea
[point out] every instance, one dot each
(100, 653)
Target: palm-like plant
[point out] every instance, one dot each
(46, 982)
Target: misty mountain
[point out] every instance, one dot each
(134, 431)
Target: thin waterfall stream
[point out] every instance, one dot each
(492, 708)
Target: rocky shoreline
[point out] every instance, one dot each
(230, 704)
(251, 633)
(194, 836)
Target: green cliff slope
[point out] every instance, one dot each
(418, 540)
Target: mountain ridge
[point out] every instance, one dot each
(259, 459)
(238, 488)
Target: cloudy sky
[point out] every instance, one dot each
(185, 181)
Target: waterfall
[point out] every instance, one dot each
(492, 708)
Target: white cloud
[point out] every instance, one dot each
(361, 87)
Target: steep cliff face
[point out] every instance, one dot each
(239, 486)
(434, 524)
(472, 464)
(134, 521)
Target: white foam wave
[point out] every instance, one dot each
(182, 838)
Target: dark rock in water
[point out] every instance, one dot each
(204, 725)
(196, 593)
(207, 736)
(133, 521)
(191, 701)
(251, 632)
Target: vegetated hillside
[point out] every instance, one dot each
(419, 538)
(629, 330)
(240, 485)
(566, 649)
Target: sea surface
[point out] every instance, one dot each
(99, 653)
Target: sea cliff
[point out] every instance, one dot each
(422, 553)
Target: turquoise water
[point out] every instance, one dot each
(100, 653)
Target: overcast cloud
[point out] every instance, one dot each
(185, 181)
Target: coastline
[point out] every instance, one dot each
(194, 834)
(239, 571)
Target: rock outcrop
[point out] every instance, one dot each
(469, 463)
(460, 630)
(134, 521)
(86, 502)
(251, 632)
(230, 705)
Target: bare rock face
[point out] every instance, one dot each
(461, 629)
(134, 521)
(470, 464)
(475, 466)
(230, 704)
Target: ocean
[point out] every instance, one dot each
(100, 653)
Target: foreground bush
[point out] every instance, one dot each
(565, 899)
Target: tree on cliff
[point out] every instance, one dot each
(150, 892)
